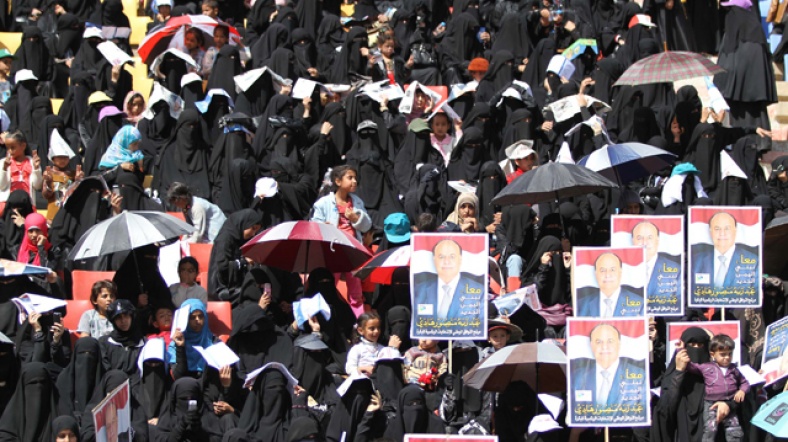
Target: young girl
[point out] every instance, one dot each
(182, 356)
(387, 65)
(58, 177)
(20, 172)
(440, 138)
(193, 43)
(187, 288)
(344, 209)
(124, 151)
(133, 107)
(35, 245)
(94, 323)
(361, 358)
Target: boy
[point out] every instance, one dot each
(423, 358)
(187, 288)
(210, 8)
(723, 383)
(499, 334)
(162, 320)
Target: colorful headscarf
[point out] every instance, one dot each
(118, 151)
(203, 338)
(33, 221)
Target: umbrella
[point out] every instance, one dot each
(300, 246)
(627, 162)
(127, 231)
(542, 365)
(667, 67)
(380, 267)
(775, 243)
(772, 416)
(551, 182)
(14, 268)
(171, 35)
(580, 45)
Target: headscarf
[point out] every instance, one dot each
(12, 235)
(304, 427)
(133, 335)
(185, 158)
(33, 55)
(81, 377)
(176, 411)
(222, 273)
(464, 198)
(62, 423)
(491, 181)
(426, 197)
(226, 66)
(412, 414)
(398, 324)
(304, 50)
(276, 36)
(203, 338)
(154, 385)
(118, 151)
(112, 14)
(348, 414)
(349, 62)
(28, 416)
(555, 289)
(34, 220)
(468, 157)
(238, 186)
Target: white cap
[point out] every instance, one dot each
(542, 423)
(24, 75)
(266, 187)
(520, 149)
(92, 32)
(163, 3)
(58, 146)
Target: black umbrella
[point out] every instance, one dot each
(552, 182)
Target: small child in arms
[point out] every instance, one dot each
(723, 383)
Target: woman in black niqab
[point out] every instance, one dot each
(412, 414)
(9, 370)
(678, 414)
(606, 73)
(224, 275)
(350, 414)
(185, 158)
(468, 157)
(491, 181)
(177, 422)
(515, 408)
(276, 36)
(552, 279)
(34, 55)
(305, 52)
(154, 385)
(304, 428)
(98, 144)
(337, 331)
(426, 196)
(226, 66)
(29, 414)
(349, 63)
(498, 76)
(266, 413)
(238, 186)
(330, 36)
(310, 367)
(156, 131)
(77, 382)
(18, 202)
(397, 320)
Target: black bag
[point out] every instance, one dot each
(423, 55)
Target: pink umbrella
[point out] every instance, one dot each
(301, 246)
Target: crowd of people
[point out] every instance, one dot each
(236, 157)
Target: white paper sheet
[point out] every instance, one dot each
(180, 320)
(114, 54)
(752, 376)
(218, 355)
(291, 380)
(30, 303)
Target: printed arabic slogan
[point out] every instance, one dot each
(725, 256)
(608, 372)
(730, 328)
(663, 239)
(608, 281)
(448, 280)
(775, 353)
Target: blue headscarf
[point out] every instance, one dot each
(203, 339)
(118, 151)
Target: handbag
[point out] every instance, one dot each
(422, 55)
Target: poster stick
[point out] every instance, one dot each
(722, 314)
(450, 357)
(607, 434)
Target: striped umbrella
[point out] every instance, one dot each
(627, 162)
(171, 35)
(127, 231)
(542, 365)
(300, 246)
(667, 67)
(379, 269)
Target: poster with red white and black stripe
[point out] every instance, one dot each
(662, 237)
(608, 281)
(725, 256)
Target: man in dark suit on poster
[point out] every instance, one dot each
(609, 380)
(661, 269)
(727, 265)
(611, 299)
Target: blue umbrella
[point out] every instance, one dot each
(626, 162)
(772, 417)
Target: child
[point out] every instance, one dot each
(6, 61)
(95, 323)
(723, 383)
(181, 355)
(58, 177)
(162, 320)
(210, 8)
(343, 209)
(188, 269)
(20, 172)
(387, 65)
(499, 334)
(440, 138)
(362, 356)
(423, 358)
(206, 218)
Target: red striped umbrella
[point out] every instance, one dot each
(170, 35)
(667, 67)
(301, 246)
(379, 269)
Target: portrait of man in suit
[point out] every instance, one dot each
(608, 379)
(727, 265)
(661, 269)
(450, 293)
(611, 299)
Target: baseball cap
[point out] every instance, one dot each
(5, 53)
(419, 125)
(396, 226)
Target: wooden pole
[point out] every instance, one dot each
(450, 355)
(607, 434)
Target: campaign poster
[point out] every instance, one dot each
(448, 286)
(730, 328)
(448, 438)
(608, 281)
(608, 379)
(112, 416)
(663, 239)
(775, 351)
(725, 251)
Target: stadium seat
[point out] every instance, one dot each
(203, 280)
(139, 26)
(178, 215)
(83, 280)
(202, 253)
(220, 319)
(56, 103)
(10, 40)
(74, 310)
